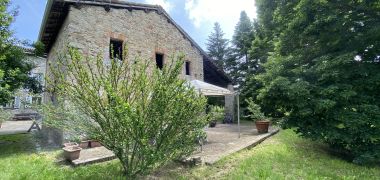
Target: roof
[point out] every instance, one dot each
(209, 89)
(57, 10)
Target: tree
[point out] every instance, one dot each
(145, 115)
(237, 58)
(262, 46)
(243, 35)
(14, 67)
(217, 46)
(323, 75)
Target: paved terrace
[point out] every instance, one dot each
(223, 140)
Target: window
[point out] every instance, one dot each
(159, 61)
(187, 67)
(116, 49)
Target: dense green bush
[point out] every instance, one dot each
(146, 116)
(323, 77)
(216, 113)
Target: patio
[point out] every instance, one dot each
(224, 140)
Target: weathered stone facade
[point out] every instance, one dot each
(145, 29)
(90, 28)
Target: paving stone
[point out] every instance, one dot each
(93, 155)
(224, 140)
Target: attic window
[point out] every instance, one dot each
(187, 67)
(159, 60)
(116, 49)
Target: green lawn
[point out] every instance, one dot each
(284, 156)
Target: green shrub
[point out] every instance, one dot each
(254, 109)
(146, 116)
(216, 113)
(323, 76)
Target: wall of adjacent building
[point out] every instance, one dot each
(22, 97)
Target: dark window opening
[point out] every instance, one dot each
(116, 49)
(187, 67)
(159, 61)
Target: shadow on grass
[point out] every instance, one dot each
(16, 144)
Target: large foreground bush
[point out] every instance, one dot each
(146, 116)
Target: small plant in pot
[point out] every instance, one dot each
(216, 113)
(255, 114)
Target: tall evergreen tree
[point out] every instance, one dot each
(262, 46)
(323, 77)
(217, 45)
(237, 63)
(243, 35)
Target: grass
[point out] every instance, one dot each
(283, 156)
(20, 160)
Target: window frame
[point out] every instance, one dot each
(187, 68)
(121, 53)
(162, 60)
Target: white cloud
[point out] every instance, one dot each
(164, 3)
(205, 12)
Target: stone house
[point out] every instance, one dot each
(93, 26)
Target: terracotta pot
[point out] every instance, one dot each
(262, 126)
(69, 144)
(84, 144)
(94, 143)
(72, 152)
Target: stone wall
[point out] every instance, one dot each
(90, 29)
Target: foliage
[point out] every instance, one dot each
(262, 46)
(237, 58)
(39, 48)
(14, 68)
(242, 38)
(146, 116)
(323, 75)
(254, 109)
(217, 45)
(5, 115)
(216, 113)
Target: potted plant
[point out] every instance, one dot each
(71, 152)
(216, 113)
(262, 123)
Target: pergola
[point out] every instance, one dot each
(211, 90)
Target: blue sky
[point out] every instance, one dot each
(196, 17)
